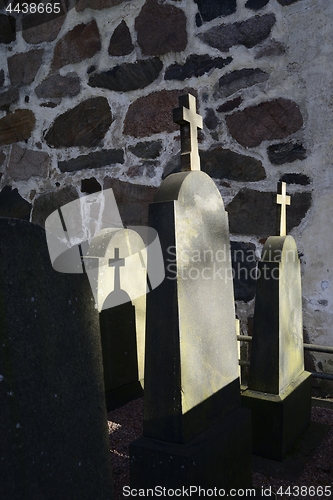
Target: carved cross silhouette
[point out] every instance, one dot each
(283, 200)
(117, 263)
(189, 121)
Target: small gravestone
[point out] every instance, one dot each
(53, 427)
(195, 432)
(116, 261)
(279, 390)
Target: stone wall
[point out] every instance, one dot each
(86, 101)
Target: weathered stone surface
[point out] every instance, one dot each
(90, 186)
(147, 149)
(222, 163)
(142, 119)
(58, 86)
(210, 9)
(96, 159)
(128, 76)
(39, 28)
(230, 105)
(211, 120)
(51, 373)
(248, 33)
(270, 48)
(96, 4)
(254, 212)
(286, 2)
(23, 67)
(195, 65)
(2, 77)
(161, 28)
(16, 126)
(8, 97)
(13, 205)
(82, 42)
(46, 203)
(24, 163)
(244, 263)
(132, 200)
(301, 179)
(266, 121)
(121, 41)
(2, 158)
(256, 4)
(230, 83)
(84, 125)
(7, 29)
(285, 152)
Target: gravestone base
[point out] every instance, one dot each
(279, 420)
(218, 458)
(123, 395)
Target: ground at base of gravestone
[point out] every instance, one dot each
(310, 464)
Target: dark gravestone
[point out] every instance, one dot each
(194, 430)
(279, 391)
(53, 430)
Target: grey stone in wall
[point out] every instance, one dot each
(24, 163)
(47, 203)
(96, 4)
(270, 48)
(13, 205)
(146, 149)
(121, 41)
(7, 29)
(230, 83)
(211, 121)
(2, 77)
(161, 28)
(300, 179)
(268, 120)
(58, 86)
(285, 152)
(256, 4)
(222, 163)
(210, 9)
(286, 2)
(8, 97)
(128, 76)
(38, 28)
(97, 159)
(244, 263)
(255, 212)
(84, 125)
(23, 67)
(82, 42)
(16, 126)
(195, 65)
(248, 33)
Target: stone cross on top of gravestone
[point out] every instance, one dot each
(117, 263)
(189, 121)
(283, 200)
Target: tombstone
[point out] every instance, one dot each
(195, 432)
(279, 389)
(117, 260)
(53, 430)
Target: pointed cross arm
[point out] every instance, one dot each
(189, 121)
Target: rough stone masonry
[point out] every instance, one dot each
(79, 94)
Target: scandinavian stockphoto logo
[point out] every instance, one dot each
(87, 235)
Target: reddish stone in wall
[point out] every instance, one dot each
(84, 125)
(16, 126)
(121, 41)
(38, 28)
(82, 42)
(23, 67)
(161, 28)
(266, 121)
(152, 114)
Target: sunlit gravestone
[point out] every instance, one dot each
(279, 390)
(195, 431)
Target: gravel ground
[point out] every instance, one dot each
(125, 425)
